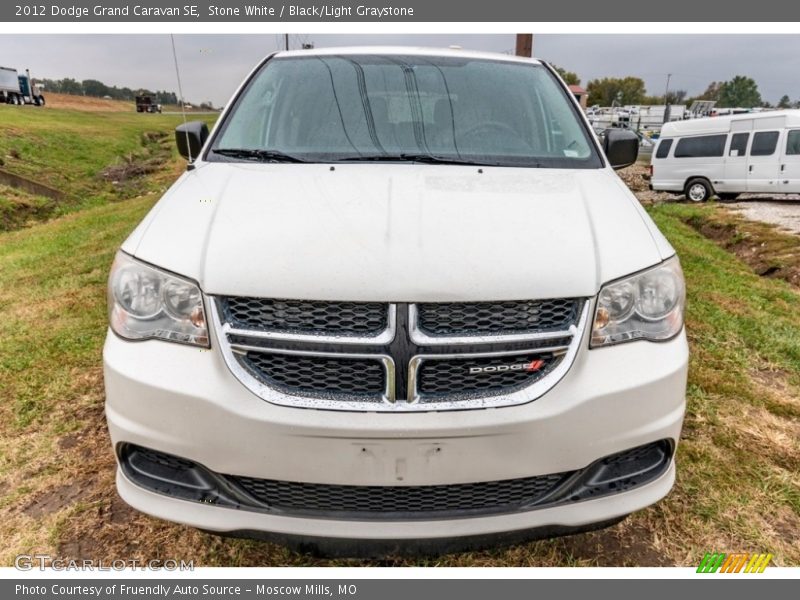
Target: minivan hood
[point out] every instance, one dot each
(398, 232)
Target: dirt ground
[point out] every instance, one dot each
(87, 103)
(92, 104)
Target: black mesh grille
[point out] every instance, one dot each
(495, 496)
(170, 475)
(501, 374)
(161, 459)
(632, 455)
(305, 316)
(487, 318)
(318, 374)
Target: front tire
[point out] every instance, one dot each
(698, 190)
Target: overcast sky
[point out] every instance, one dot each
(213, 65)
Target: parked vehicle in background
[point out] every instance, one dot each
(727, 156)
(403, 314)
(9, 85)
(147, 104)
(639, 118)
(19, 89)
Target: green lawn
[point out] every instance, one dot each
(83, 154)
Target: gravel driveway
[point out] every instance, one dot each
(783, 212)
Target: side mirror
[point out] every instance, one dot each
(190, 137)
(621, 147)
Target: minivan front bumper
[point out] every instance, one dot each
(183, 401)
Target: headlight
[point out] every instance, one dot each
(145, 302)
(645, 306)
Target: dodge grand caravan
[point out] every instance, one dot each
(398, 300)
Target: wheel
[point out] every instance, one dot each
(35, 100)
(698, 190)
(728, 197)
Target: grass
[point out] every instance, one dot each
(18, 208)
(740, 452)
(738, 487)
(93, 157)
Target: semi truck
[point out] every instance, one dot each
(18, 88)
(147, 104)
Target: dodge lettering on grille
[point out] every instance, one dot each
(534, 365)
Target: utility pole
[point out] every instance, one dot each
(286, 41)
(667, 111)
(524, 44)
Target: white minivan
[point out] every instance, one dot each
(399, 301)
(730, 155)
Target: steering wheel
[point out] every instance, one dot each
(486, 127)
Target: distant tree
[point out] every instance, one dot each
(673, 97)
(207, 105)
(165, 97)
(92, 87)
(739, 91)
(569, 77)
(712, 91)
(784, 102)
(70, 86)
(609, 90)
(676, 96)
(49, 84)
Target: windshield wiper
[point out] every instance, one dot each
(259, 155)
(414, 157)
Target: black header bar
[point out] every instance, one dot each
(408, 11)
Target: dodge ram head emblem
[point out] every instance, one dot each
(531, 366)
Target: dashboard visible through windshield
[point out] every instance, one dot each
(416, 108)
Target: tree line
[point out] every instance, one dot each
(741, 91)
(95, 88)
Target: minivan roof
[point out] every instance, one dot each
(791, 118)
(407, 51)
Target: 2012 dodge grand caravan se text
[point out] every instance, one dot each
(399, 299)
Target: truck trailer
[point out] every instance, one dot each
(19, 89)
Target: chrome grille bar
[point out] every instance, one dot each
(384, 337)
(236, 343)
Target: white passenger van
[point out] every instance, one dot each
(727, 156)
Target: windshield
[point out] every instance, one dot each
(398, 107)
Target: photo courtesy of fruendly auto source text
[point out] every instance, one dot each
(373, 300)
